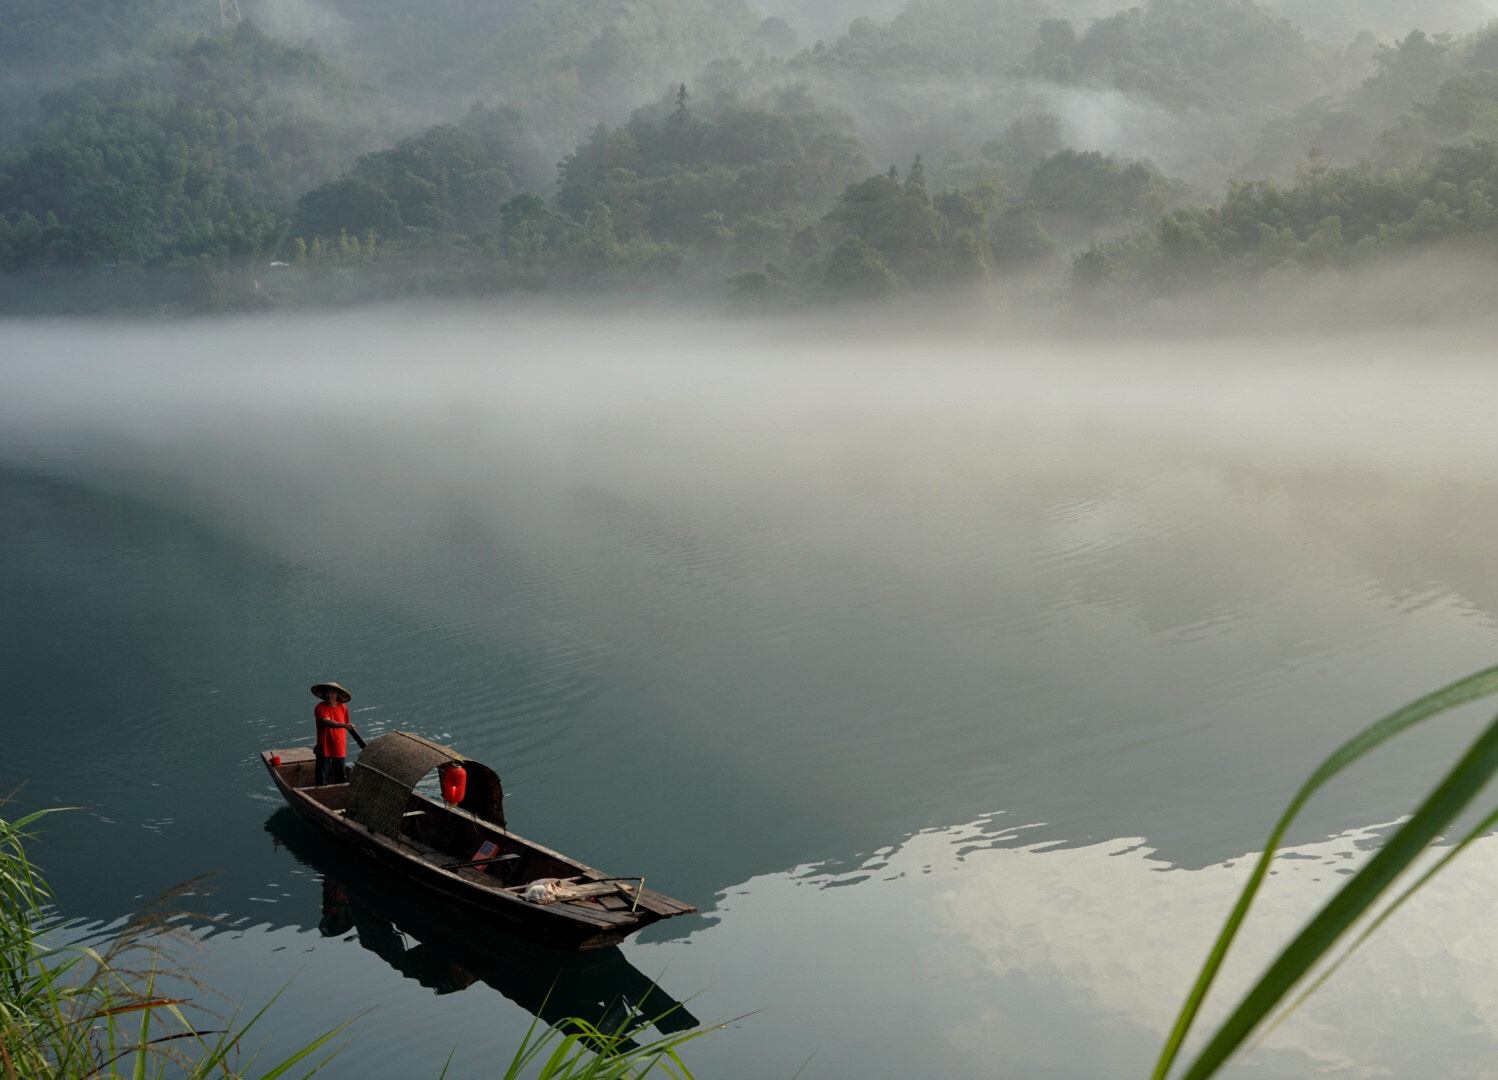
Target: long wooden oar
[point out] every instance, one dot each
(357, 737)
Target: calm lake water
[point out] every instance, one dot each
(952, 676)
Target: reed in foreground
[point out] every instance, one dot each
(76, 1012)
(579, 1051)
(1359, 899)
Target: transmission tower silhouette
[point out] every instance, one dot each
(228, 12)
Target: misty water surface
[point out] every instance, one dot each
(951, 675)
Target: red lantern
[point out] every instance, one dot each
(275, 761)
(454, 783)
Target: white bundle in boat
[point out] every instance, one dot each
(549, 891)
(556, 890)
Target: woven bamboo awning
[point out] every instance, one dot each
(391, 765)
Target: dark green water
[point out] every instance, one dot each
(944, 678)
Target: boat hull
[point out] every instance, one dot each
(573, 925)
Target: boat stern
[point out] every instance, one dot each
(292, 768)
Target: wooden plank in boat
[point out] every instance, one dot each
(608, 918)
(653, 902)
(293, 756)
(662, 905)
(591, 889)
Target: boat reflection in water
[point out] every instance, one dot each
(447, 952)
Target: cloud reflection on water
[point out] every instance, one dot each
(1038, 961)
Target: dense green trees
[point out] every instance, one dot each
(42, 33)
(1190, 82)
(890, 234)
(1218, 55)
(453, 178)
(209, 153)
(897, 220)
(1430, 176)
(946, 37)
(563, 63)
(197, 152)
(661, 174)
(1097, 187)
(1184, 53)
(1330, 218)
(346, 206)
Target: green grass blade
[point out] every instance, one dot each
(307, 1051)
(531, 1045)
(1461, 692)
(559, 1063)
(1349, 903)
(1477, 831)
(144, 1040)
(22, 823)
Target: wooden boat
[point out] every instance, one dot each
(446, 951)
(464, 855)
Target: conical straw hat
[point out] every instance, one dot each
(318, 688)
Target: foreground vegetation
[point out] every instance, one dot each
(1364, 901)
(77, 1012)
(209, 168)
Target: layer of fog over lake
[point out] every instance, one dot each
(951, 673)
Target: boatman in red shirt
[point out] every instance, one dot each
(332, 732)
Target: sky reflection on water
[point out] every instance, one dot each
(1071, 961)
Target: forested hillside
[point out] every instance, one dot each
(157, 156)
(197, 153)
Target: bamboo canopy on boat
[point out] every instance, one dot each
(391, 765)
